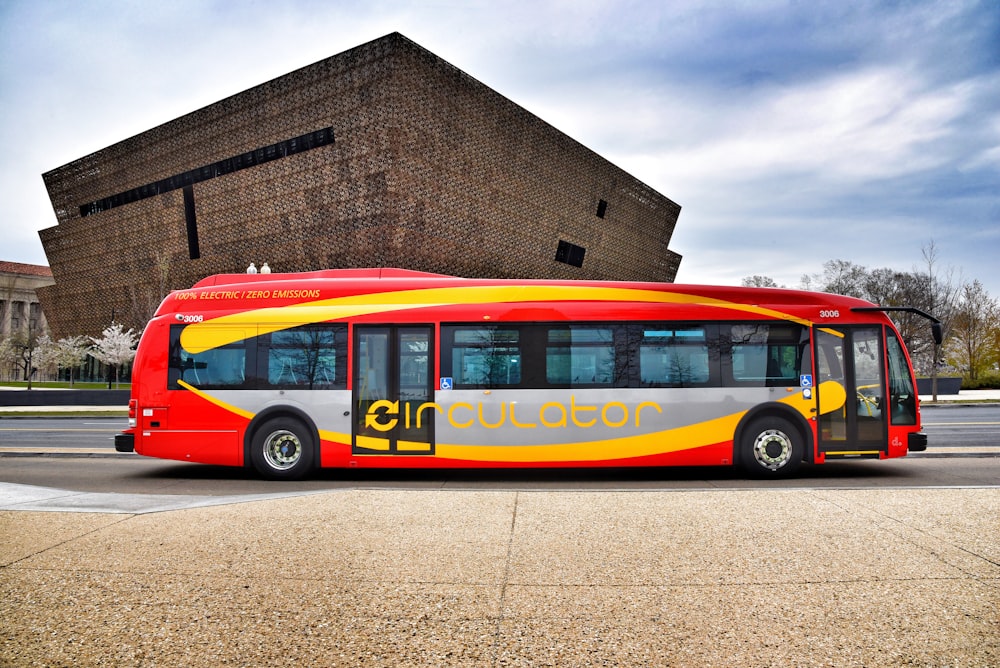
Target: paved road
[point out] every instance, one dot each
(62, 460)
(132, 474)
(951, 430)
(57, 434)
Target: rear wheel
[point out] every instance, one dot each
(282, 449)
(772, 447)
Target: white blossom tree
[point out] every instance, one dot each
(116, 347)
(8, 357)
(70, 353)
(45, 355)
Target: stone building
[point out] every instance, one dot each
(382, 156)
(20, 311)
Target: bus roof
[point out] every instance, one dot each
(231, 291)
(374, 273)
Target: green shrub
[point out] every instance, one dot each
(985, 382)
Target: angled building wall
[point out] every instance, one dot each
(384, 155)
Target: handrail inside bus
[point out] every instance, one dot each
(936, 328)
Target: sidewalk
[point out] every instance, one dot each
(965, 395)
(512, 578)
(375, 577)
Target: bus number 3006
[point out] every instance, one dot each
(829, 314)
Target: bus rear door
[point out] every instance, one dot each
(393, 390)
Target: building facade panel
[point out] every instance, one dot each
(384, 155)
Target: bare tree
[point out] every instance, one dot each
(758, 281)
(974, 331)
(843, 277)
(942, 298)
(24, 345)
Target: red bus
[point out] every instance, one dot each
(395, 368)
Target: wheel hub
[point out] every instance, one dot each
(772, 449)
(282, 449)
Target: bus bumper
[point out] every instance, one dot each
(917, 442)
(125, 442)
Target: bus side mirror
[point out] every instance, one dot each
(937, 332)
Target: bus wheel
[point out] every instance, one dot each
(772, 447)
(282, 449)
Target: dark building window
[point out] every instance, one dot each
(602, 208)
(570, 253)
(192, 223)
(229, 165)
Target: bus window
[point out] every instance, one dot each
(216, 368)
(579, 356)
(869, 371)
(484, 357)
(673, 356)
(308, 357)
(903, 400)
(768, 354)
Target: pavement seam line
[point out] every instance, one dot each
(504, 581)
(937, 539)
(891, 520)
(65, 542)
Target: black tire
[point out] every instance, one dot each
(283, 448)
(772, 447)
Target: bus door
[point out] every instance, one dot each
(853, 358)
(393, 390)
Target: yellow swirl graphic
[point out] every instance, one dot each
(199, 337)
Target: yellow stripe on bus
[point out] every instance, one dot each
(218, 402)
(671, 440)
(832, 397)
(372, 443)
(202, 336)
(689, 437)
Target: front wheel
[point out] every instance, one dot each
(282, 449)
(772, 447)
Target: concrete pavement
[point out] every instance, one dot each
(512, 578)
(504, 578)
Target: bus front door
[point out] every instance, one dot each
(852, 357)
(393, 390)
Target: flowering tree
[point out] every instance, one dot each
(70, 353)
(44, 356)
(116, 347)
(8, 356)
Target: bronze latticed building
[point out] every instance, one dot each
(384, 156)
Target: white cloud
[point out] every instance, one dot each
(770, 123)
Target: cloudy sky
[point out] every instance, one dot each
(791, 132)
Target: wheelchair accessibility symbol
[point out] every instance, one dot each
(806, 380)
(446, 383)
